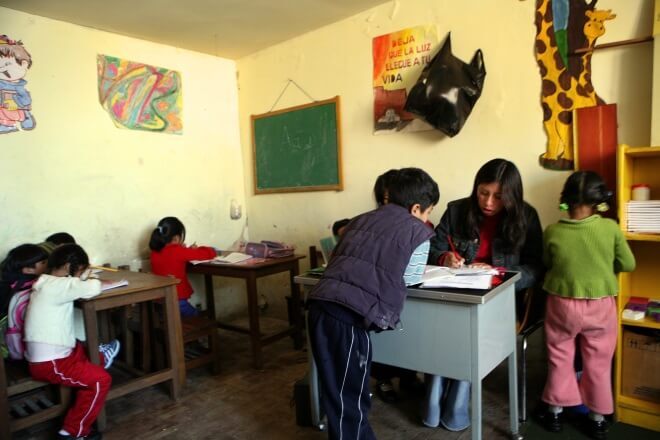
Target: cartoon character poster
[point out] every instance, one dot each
(140, 97)
(399, 59)
(15, 100)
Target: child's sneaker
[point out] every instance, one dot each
(109, 351)
(94, 435)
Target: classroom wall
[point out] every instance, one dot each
(506, 122)
(109, 186)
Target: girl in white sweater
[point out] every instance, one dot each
(51, 347)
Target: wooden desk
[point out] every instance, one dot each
(457, 333)
(250, 271)
(142, 287)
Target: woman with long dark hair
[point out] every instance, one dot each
(493, 227)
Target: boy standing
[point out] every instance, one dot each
(363, 289)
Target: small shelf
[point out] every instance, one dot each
(643, 151)
(641, 237)
(646, 323)
(639, 404)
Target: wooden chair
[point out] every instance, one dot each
(315, 257)
(193, 328)
(530, 310)
(25, 402)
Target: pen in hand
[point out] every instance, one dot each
(458, 260)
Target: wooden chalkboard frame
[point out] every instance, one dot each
(333, 186)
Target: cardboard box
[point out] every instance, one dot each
(640, 364)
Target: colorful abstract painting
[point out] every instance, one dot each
(140, 97)
(399, 58)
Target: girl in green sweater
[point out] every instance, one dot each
(583, 254)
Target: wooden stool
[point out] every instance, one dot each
(193, 328)
(25, 402)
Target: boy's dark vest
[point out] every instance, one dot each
(366, 270)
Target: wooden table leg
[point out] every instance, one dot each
(295, 305)
(210, 297)
(92, 336)
(253, 311)
(174, 342)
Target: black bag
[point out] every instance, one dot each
(447, 90)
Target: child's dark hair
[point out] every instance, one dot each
(381, 187)
(25, 255)
(69, 253)
(410, 186)
(585, 188)
(167, 228)
(336, 226)
(13, 278)
(513, 225)
(61, 238)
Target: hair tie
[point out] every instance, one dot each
(563, 206)
(602, 207)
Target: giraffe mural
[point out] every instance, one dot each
(563, 26)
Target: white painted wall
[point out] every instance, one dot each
(107, 186)
(506, 122)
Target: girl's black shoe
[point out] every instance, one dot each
(596, 429)
(552, 421)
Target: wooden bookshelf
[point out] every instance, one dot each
(637, 165)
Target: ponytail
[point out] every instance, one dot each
(166, 230)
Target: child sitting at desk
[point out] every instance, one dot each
(169, 257)
(51, 347)
(363, 289)
(20, 270)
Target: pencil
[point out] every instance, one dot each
(109, 269)
(453, 248)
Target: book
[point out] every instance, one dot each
(461, 278)
(231, 258)
(107, 285)
(481, 281)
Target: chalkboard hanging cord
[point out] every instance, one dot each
(284, 89)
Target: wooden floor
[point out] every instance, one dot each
(245, 404)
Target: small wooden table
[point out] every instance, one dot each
(142, 287)
(250, 270)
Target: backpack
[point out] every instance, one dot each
(16, 323)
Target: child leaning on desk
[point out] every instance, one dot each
(51, 348)
(363, 290)
(169, 257)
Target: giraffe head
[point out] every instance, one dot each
(595, 27)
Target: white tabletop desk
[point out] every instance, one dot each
(457, 333)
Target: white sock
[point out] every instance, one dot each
(596, 417)
(555, 409)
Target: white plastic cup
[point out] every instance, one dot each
(641, 191)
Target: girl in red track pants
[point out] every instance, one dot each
(92, 383)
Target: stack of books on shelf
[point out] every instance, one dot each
(638, 307)
(644, 216)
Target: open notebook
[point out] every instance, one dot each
(460, 278)
(231, 258)
(113, 285)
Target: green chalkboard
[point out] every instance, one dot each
(298, 149)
